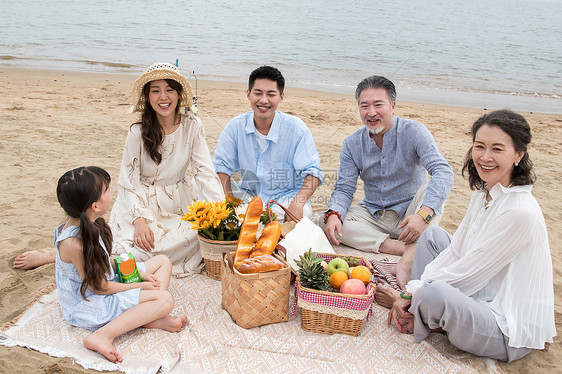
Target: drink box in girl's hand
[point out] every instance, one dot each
(127, 268)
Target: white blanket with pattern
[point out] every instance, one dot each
(213, 343)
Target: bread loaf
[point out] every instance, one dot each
(267, 240)
(259, 264)
(248, 230)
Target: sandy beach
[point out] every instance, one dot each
(53, 121)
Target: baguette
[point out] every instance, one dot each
(260, 264)
(248, 230)
(267, 240)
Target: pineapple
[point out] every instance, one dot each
(311, 272)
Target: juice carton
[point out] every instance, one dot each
(127, 268)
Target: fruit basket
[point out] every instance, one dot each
(328, 312)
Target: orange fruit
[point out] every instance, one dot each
(337, 278)
(362, 273)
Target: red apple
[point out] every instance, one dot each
(353, 287)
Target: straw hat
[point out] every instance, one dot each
(160, 70)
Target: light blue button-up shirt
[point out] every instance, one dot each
(392, 175)
(278, 172)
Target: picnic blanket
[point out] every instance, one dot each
(213, 343)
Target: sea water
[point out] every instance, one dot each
(468, 53)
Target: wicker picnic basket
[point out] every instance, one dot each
(211, 251)
(332, 312)
(255, 299)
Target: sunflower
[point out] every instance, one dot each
(215, 221)
(232, 201)
(197, 210)
(201, 224)
(220, 212)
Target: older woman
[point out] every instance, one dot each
(489, 286)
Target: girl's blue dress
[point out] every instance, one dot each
(98, 310)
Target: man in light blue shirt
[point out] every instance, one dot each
(393, 156)
(274, 151)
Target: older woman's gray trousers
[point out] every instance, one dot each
(469, 325)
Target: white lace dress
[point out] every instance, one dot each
(161, 193)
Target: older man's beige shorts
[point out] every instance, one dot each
(365, 232)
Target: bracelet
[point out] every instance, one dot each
(329, 213)
(405, 296)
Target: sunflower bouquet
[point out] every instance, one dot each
(222, 220)
(215, 220)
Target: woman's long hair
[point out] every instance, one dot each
(150, 128)
(77, 190)
(514, 125)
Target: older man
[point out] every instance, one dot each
(393, 156)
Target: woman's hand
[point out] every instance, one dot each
(399, 314)
(144, 237)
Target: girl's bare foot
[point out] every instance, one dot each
(168, 323)
(386, 296)
(32, 259)
(98, 343)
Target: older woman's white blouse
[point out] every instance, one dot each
(500, 256)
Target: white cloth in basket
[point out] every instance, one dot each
(304, 236)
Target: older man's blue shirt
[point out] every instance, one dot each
(392, 175)
(289, 156)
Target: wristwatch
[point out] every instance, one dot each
(426, 216)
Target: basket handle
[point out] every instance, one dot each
(280, 249)
(287, 212)
(227, 256)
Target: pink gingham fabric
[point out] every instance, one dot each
(350, 302)
(345, 302)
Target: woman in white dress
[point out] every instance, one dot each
(155, 186)
(489, 286)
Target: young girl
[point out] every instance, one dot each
(89, 296)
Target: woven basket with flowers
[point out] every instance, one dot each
(218, 228)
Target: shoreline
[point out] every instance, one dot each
(54, 120)
(517, 101)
